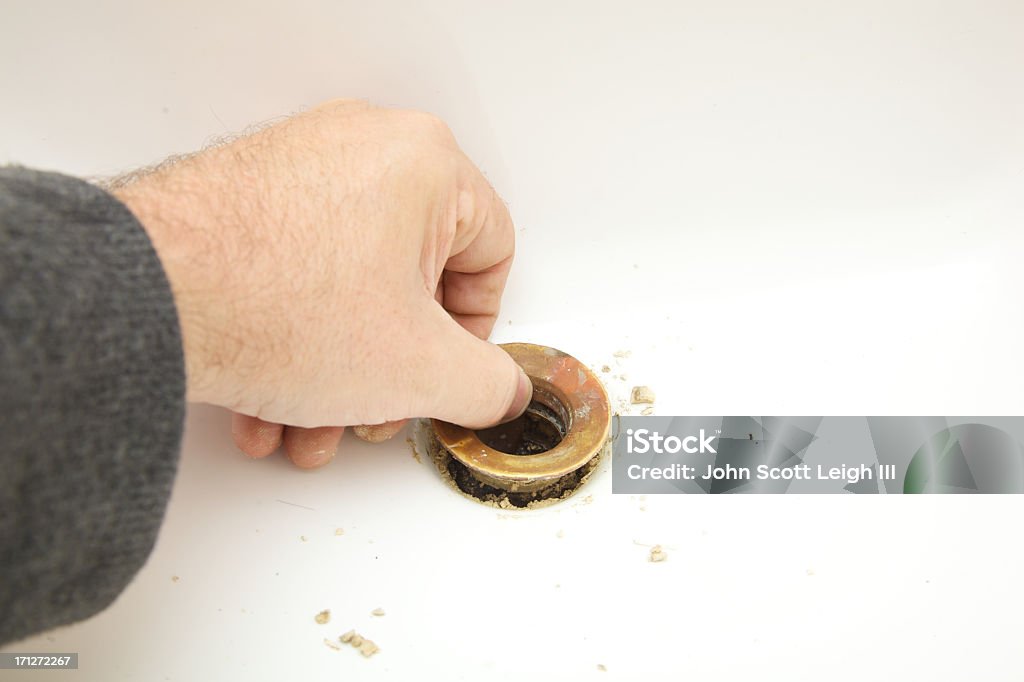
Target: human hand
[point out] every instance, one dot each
(339, 268)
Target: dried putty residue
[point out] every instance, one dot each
(371, 433)
(657, 554)
(323, 617)
(641, 394)
(366, 647)
(415, 452)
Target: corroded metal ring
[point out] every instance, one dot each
(567, 395)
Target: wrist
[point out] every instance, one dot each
(174, 238)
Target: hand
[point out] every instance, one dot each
(342, 267)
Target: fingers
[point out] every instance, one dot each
(378, 433)
(312, 448)
(474, 277)
(474, 299)
(306, 448)
(255, 437)
(473, 383)
(484, 234)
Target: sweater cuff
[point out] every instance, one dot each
(93, 400)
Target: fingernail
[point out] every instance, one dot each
(524, 394)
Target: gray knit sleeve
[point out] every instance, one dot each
(92, 399)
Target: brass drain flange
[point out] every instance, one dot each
(544, 455)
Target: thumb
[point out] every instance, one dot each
(474, 383)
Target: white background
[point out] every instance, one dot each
(779, 208)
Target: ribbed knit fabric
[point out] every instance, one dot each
(92, 396)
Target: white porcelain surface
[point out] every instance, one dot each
(779, 208)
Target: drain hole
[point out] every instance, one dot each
(462, 479)
(538, 430)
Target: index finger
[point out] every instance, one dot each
(482, 251)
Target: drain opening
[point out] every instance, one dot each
(540, 458)
(538, 430)
(462, 479)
